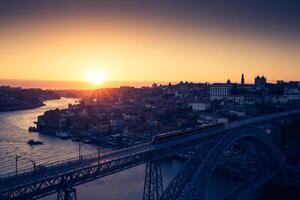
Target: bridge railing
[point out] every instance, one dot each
(50, 165)
(67, 162)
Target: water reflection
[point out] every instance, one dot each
(14, 136)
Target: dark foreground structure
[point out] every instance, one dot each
(245, 150)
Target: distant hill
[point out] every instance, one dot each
(17, 98)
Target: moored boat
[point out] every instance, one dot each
(32, 129)
(62, 135)
(32, 142)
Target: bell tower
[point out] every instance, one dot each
(243, 79)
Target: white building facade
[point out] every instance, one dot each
(219, 91)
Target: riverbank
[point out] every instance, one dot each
(16, 98)
(26, 106)
(14, 136)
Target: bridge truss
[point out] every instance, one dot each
(190, 183)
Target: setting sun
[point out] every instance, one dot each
(95, 77)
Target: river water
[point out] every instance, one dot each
(14, 136)
(127, 184)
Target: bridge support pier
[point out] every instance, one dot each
(153, 186)
(67, 194)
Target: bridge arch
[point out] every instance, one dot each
(194, 187)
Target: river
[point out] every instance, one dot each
(127, 184)
(14, 136)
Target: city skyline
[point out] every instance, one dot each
(66, 42)
(61, 84)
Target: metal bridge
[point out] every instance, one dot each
(260, 162)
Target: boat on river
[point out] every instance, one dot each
(62, 135)
(32, 142)
(32, 129)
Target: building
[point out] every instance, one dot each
(200, 106)
(154, 85)
(243, 79)
(245, 99)
(219, 91)
(116, 124)
(260, 81)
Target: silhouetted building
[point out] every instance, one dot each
(260, 81)
(281, 82)
(243, 79)
(154, 85)
(263, 80)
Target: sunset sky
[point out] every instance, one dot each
(196, 41)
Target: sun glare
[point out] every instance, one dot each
(95, 77)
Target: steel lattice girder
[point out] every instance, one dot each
(153, 186)
(182, 187)
(48, 186)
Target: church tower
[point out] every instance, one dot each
(243, 79)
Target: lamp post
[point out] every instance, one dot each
(17, 159)
(99, 154)
(79, 149)
(16, 163)
(80, 144)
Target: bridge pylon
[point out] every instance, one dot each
(153, 186)
(67, 194)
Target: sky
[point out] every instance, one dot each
(138, 41)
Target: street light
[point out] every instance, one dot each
(79, 149)
(99, 154)
(80, 144)
(16, 163)
(21, 156)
